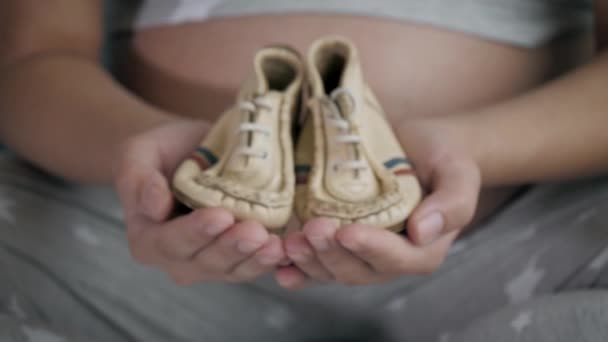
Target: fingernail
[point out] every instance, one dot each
(247, 247)
(300, 257)
(431, 227)
(351, 244)
(213, 229)
(319, 243)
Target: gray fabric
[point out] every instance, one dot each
(65, 268)
(525, 23)
(580, 317)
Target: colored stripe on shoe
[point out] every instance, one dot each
(302, 172)
(204, 158)
(400, 166)
(391, 163)
(208, 154)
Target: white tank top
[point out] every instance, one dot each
(525, 23)
(159, 12)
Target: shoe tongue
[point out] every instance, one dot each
(345, 105)
(352, 82)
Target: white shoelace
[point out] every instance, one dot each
(256, 106)
(346, 137)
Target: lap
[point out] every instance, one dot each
(566, 317)
(65, 254)
(63, 249)
(552, 239)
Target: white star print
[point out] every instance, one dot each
(7, 213)
(521, 287)
(16, 308)
(85, 234)
(278, 318)
(523, 320)
(40, 335)
(445, 337)
(600, 261)
(397, 304)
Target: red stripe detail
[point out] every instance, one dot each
(200, 161)
(301, 179)
(404, 172)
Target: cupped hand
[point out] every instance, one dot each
(358, 254)
(203, 245)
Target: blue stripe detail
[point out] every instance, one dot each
(396, 161)
(302, 168)
(211, 158)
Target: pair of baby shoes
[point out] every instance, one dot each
(347, 163)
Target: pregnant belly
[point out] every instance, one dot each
(195, 69)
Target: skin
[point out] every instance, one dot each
(52, 91)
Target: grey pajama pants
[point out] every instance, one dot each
(534, 272)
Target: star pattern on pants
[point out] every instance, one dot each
(7, 213)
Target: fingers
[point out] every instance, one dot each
(155, 198)
(356, 255)
(140, 183)
(301, 252)
(292, 278)
(179, 139)
(231, 248)
(183, 237)
(390, 254)
(345, 267)
(450, 206)
(206, 245)
(263, 261)
(176, 240)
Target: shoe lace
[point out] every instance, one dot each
(338, 120)
(253, 107)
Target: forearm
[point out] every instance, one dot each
(64, 113)
(556, 132)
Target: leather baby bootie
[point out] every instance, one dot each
(349, 164)
(245, 163)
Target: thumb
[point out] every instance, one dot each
(140, 183)
(177, 141)
(455, 186)
(155, 198)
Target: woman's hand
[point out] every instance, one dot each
(358, 254)
(206, 244)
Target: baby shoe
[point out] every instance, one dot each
(245, 163)
(349, 164)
